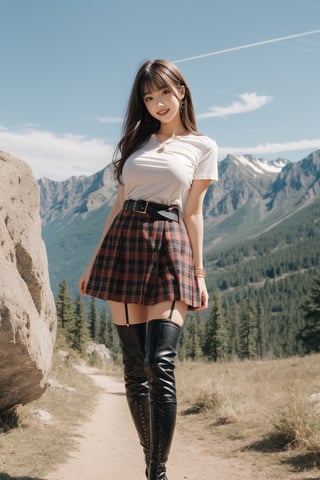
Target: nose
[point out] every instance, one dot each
(159, 101)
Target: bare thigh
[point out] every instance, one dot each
(144, 313)
(136, 313)
(163, 311)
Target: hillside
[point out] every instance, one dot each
(271, 274)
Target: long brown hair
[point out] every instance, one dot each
(138, 124)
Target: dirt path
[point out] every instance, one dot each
(109, 449)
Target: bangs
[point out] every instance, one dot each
(156, 80)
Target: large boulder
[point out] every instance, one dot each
(27, 310)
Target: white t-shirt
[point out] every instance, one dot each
(163, 173)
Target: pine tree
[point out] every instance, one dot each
(216, 343)
(103, 326)
(80, 334)
(111, 337)
(93, 320)
(65, 308)
(231, 314)
(182, 344)
(248, 332)
(309, 335)
(107, 332)
(193, 339)
(261, 332)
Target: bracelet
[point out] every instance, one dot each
(200, 272)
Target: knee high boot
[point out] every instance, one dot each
(133, 343)
(162, 341)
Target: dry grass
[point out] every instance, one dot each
(298, 424)
(258, 409)
(33, 447)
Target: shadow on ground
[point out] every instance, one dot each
(269, 444)
(117, 394)
(298, 461)
(8, 420)
(6, 476)
(303, 462)
(311, 478)
(192, 410)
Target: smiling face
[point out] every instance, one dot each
(160, 102)
(164, 103)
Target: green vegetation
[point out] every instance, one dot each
(309, 334)
(78, 327)
(247, 326)
(241, 327)
(80, 332)
(273, 274)
(254, 325)
(215, 335)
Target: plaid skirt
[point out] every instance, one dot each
(145, 260)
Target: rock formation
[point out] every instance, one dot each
(27, 309)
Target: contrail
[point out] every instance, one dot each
(249, 45)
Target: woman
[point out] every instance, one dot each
(149, 264)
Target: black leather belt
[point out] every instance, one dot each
(169, 212)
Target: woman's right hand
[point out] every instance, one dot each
(83, 282)
(204, 294)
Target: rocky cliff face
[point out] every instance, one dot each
(76, 194)
(27, 308)
(299, 182)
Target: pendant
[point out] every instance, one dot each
(160, 149)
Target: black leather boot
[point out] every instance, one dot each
(133, 344)
(162, 341)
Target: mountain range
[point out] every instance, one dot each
(252, 197)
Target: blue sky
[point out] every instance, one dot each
(67, 67)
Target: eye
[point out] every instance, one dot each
(166, 91)
(147, 99)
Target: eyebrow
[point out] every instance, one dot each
(157, 90)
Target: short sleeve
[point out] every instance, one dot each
(207, 168)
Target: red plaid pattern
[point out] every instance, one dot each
(146, 261)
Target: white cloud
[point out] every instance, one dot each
(61, 156)
(248, 102)
(56, 156)
(110, 119)
(267, 148)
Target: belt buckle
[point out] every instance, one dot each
(136, 208)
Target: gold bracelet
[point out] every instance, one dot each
(200, 272)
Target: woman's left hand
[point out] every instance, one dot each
(204, 294)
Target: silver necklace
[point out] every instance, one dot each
(171, 139)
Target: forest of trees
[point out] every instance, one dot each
(234, 326)
(270, 278)
(279, 319)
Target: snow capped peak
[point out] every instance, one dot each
(261, 166)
